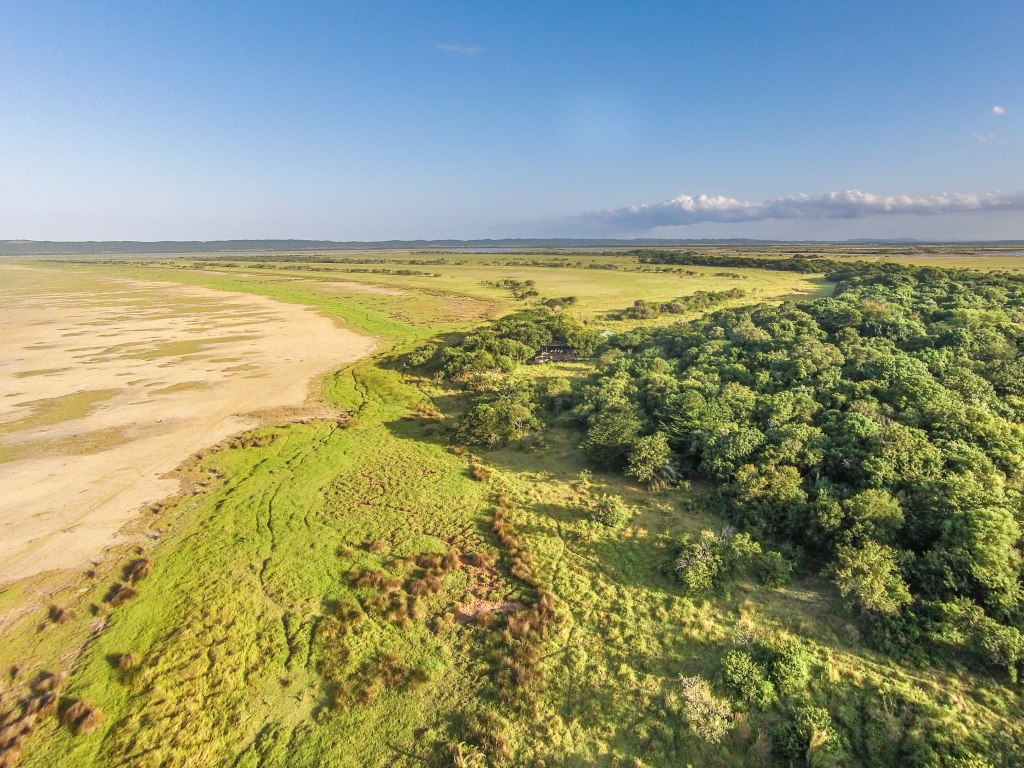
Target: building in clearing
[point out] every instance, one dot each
(555, 352)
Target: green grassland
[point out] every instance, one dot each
(252, 642)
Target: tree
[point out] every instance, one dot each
(612, 434)
(870, 577)
(611, 511)
(708, 715)
(650, 460)
(748, 679)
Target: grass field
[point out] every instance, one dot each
(252, 645)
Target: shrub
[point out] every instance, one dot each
(364, 579)
(714, 559)
(47, 683)
(58, 615)
(481, 559)
(799, 731)
(789, 665)
(379, 547)
(611, 511)
(82, 717)
(708, 715)
(774, 570)
(748, 679)
(137, 570)
(120, 594)
(127, 661)
(480, 472)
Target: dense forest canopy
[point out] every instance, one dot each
(876, 433)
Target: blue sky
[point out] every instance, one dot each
(210, 120)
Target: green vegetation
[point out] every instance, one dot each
(697, 301)
(480, 562)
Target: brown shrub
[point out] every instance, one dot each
(120, 594)
(519, 625)
(379, 547)
(58, 615)
(481, 559)
(137, 570)
(43, 705)
(49, 683)
(480, 472)
(127, 661)
(364, 579)
(376, 603)
(451, 560)
(398, 607)
(457, 450)
(428, 585)
(430, 560)
(82, 717)
(23, 726)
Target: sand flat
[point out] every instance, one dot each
(107, 384)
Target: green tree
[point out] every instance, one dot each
(870, 578)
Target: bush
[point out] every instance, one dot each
(82, 717)
(708, 715)
(137, 570)
(748, 679)
(127, 661)
(789, 665)
(611, 511)
(774, 570)
(799, 731)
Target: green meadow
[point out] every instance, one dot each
(344, 591)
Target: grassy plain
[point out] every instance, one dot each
(249, 652)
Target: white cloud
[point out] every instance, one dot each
(982, 137)
(852, 204)
(997, 110)
(465, 50)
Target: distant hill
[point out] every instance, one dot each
(59, 248)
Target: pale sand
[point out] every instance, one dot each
(167, 370)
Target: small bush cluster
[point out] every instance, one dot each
(708, 715)
(19, 723)
(519, 657)
(120, 594)
(498, 347)
(58, 615)
(251, 440)
(395, 598)
(801, 729)
(139, 569)
(611, 511)
(713, 560)
(82, 717)
(748, 679)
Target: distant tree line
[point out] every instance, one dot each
(697, 301)
(808, 264)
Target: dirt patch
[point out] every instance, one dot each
(472, 610)
(76, 466)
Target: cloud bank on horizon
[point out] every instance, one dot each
(686, 210)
